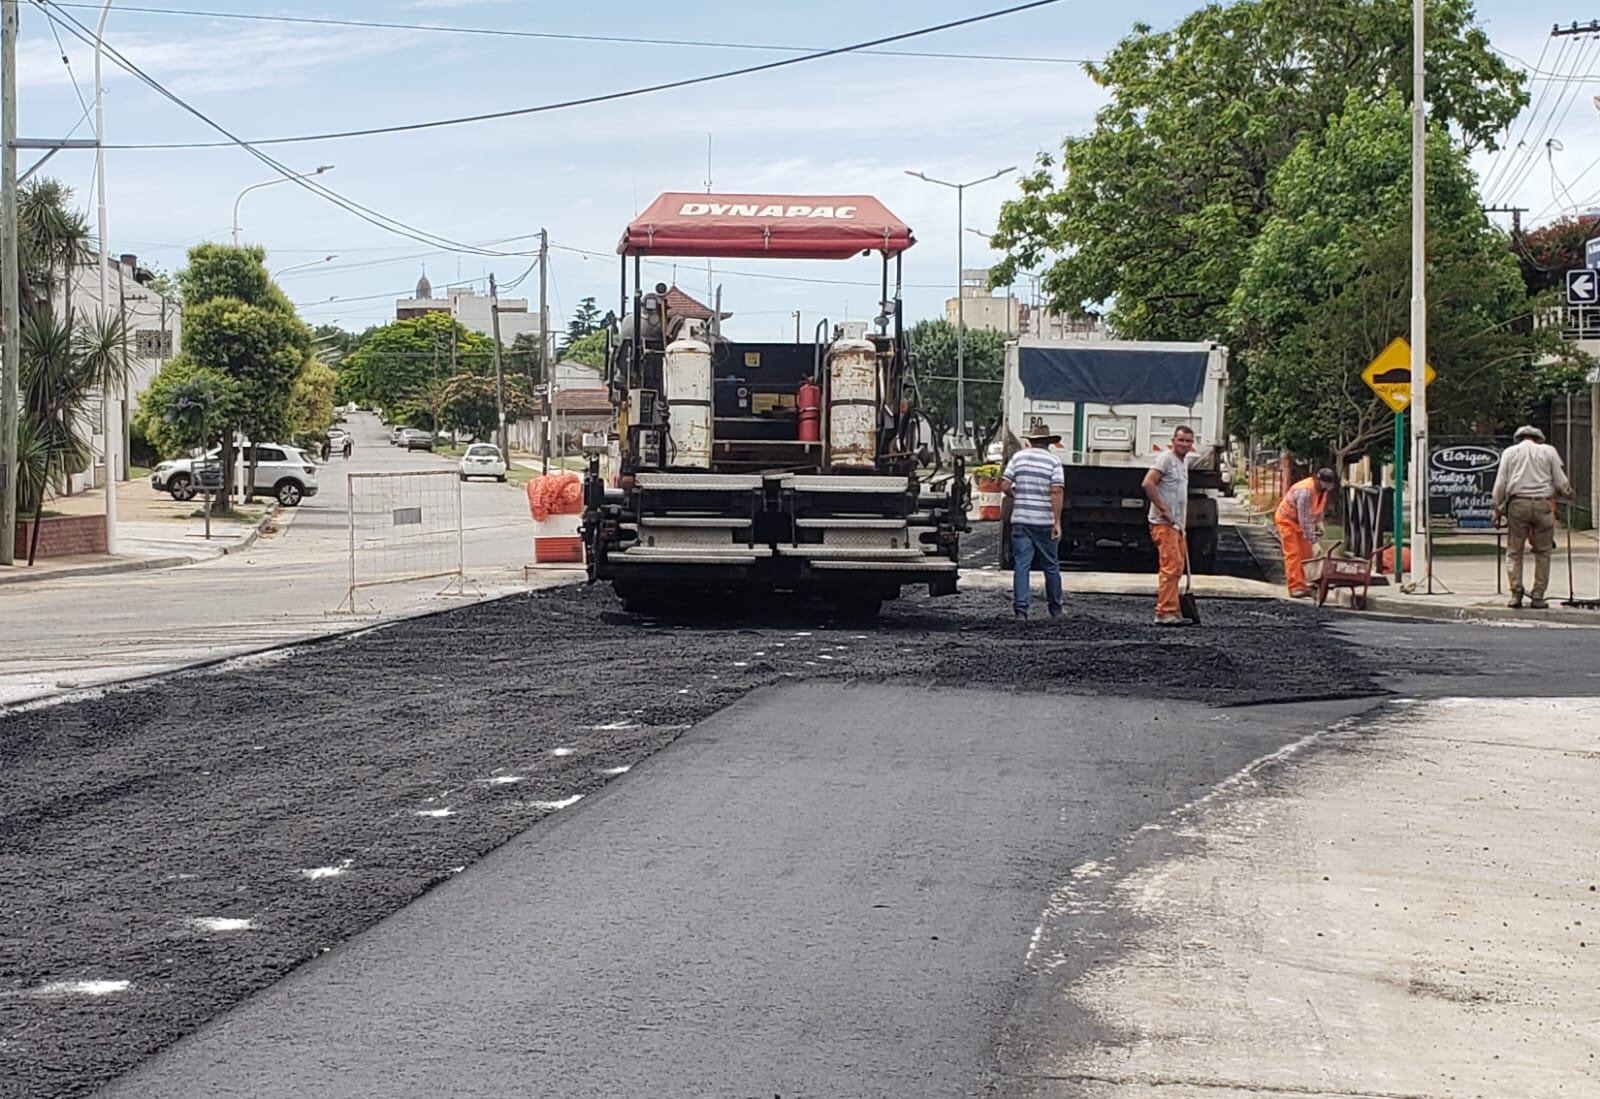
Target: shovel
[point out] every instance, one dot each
(1188, 606)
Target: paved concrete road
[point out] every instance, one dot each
(812, 894)
(80, 631)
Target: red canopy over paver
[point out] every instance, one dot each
(776, 226)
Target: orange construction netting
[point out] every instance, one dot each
(555, 494)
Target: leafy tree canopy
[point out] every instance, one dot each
(186, 406)
(395, 363)
(1326, 286)
(1156, 209)
(469, 403)
(590, 350)
(933, 353)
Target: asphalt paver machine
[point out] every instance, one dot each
(754, 467)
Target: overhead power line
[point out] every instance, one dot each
(72, 26)
(606, 97)
(557, 36)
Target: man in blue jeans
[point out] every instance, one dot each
(1034, 482)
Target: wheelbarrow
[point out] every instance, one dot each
(1326, 572)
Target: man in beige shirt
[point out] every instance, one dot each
(1525, 492)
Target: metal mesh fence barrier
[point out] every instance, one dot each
(404, 526)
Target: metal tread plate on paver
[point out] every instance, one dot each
(850, 524)
(693, 521)
(932, 564)
(859, 553)
(717, 553)
(697, 482)
(823, 483)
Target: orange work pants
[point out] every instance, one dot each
(1171, 550)
(1297, 550)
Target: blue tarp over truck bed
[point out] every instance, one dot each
(1112, 375)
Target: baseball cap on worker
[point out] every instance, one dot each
(1528, 431)
(1327, 477)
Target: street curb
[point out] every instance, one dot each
(1421, 607)
(255, 532)
(143, 564)
(134, 564)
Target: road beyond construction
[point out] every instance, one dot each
(542, 847)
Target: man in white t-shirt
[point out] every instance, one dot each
(1037, 487)
(1167, 488)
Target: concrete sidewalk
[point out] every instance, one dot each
(1405, 910)
(153, 543)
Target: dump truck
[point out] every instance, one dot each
(750, 467)
(1115, 404)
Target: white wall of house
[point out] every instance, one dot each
(147, 314)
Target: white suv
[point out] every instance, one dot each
(284, 472)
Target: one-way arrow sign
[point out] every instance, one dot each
(1583, 287)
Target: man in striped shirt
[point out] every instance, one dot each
(1034, 482)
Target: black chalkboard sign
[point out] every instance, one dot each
(1461, 475)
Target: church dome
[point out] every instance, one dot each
(424, 287)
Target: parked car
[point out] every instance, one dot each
(284, 472)
(395, 434)
(482, 460)
(414, 439)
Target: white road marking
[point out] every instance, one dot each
(317, 873)
(83, 988)
(551, 806)
(222, 923)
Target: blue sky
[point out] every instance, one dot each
(853, 123)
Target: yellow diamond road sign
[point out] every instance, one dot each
(1389, 375)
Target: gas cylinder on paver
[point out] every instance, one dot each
(852, 404)
(808, 402)
(687, 379)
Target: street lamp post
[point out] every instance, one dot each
(961, 312)
(303, 266)
(268, 183)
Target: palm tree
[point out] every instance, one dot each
(65, 366)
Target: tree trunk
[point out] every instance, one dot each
(224, 505)
(38, 517)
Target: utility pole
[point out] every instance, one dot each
(11, 337)
(1419, 301)
(499, 372)
(961, 296)
(109, 399)
(544, 351)
(1591, 27)
(1516, 213)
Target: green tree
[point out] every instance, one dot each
(1156, 209)
(66, 363)
(1327, 286)
(237, 322)
(590, 350)
(311, 401)
(469, 403)
(585, 320)
(393, 366)
(185, 407)
(933, 355)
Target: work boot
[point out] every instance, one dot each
(1303, 593)
(1169, 619)
(1057, 612)
(1019, 613)
(1516, 601)
(1539, 603)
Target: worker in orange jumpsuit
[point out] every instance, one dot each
(1299, 520)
